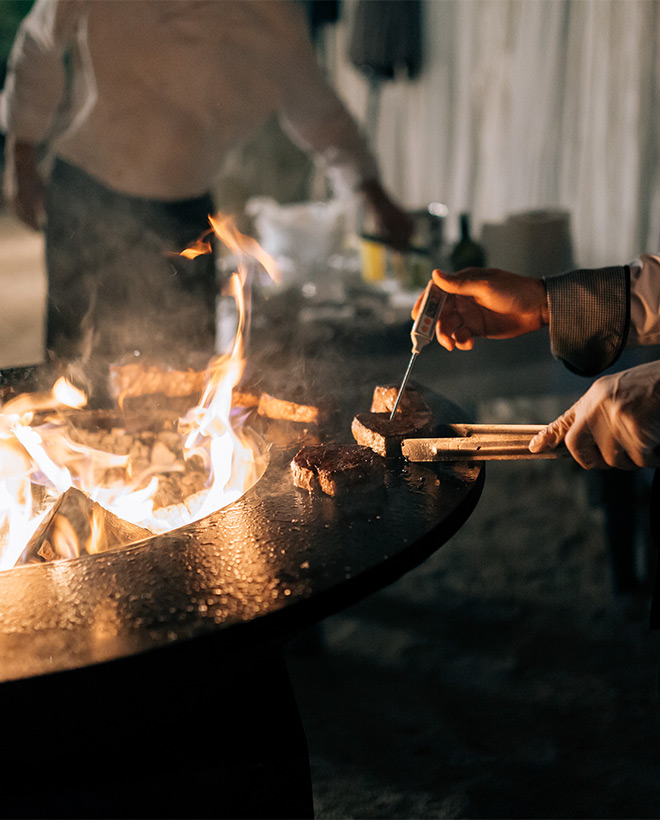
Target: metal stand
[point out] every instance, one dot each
(184, 731)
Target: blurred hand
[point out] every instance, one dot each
(23, 186)
(394, 225)
(490, 303)
(615, 424)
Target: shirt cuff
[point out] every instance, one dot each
(589, 314)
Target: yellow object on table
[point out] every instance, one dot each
(374, 260)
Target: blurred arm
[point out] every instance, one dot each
(35, 73)
(318, 122)
(645, 300)
(33, 91)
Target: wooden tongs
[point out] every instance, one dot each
(479, 442)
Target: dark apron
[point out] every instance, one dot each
(116, 281)
(654, 512)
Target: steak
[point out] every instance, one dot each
(375, 430)
(337, 469)
(411, 400)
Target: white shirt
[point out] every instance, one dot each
(645, 300)
(161, 89)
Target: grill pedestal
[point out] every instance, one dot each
(184, 731)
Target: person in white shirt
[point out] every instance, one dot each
(131, 109)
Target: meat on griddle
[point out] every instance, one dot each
(375, 430)
(411, 401)
(337, 469)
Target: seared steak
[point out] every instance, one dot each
(411, 401)
(337, 469)
(375, 430)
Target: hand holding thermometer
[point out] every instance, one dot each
(422, 331)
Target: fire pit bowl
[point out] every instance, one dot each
(271, 563)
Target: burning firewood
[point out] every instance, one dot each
(77, 525)
(245, 397)
(151, 389)
(304, 409)
(142, 380)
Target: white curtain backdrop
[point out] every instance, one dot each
(526, 104)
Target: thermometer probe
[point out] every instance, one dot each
(422, 331)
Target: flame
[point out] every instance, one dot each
(65, 538)
(62, 394)
(24, 464)
(234, 461)
(97, 532)
(245, 246)
(198, 248)
(68, 394)
(40, 459)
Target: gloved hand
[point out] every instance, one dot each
(615, 424)
(488, 302)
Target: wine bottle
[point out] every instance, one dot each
(466, 253)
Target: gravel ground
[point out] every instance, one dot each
(503, 678)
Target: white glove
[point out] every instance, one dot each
(615, 424)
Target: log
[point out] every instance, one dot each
(65, 532)
(298, 408)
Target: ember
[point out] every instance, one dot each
(68, 488)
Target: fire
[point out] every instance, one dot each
(210, 433)
(198, 248)
(97, 532)
(25, 465)
(42, 463)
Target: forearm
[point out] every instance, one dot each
(35, 80)
(329, 135)
(314, 116)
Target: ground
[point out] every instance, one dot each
(503, 678)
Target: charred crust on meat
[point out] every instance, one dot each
(411, 400)
(337, 469)
(375, 430)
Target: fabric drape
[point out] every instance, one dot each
(525, 104)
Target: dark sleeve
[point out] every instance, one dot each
(589, 317)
